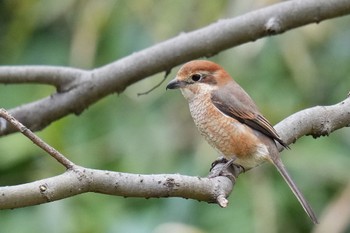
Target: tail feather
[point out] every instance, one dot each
(282, 170)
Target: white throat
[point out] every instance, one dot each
(197, 90)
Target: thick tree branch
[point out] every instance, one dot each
(77, 89)
(81, 180)
(316, 121)
(60, 77)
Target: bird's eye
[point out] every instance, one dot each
(196, 77)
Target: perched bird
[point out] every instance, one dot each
(229, 120)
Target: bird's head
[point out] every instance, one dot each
(199, 77)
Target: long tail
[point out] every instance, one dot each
(282, 170)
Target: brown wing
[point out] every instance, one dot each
(241, 107)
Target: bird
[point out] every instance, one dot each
(229, 120)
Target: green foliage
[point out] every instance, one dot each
(154, 133)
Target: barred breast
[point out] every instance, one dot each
(227, 135)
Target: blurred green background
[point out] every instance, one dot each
(154, 133)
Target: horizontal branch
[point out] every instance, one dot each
(52, 75)
(316, 121)
(78, 89)
(81, 180)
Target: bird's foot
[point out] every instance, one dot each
(224, 167)
(219, 160)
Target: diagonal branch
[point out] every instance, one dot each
(78, 89)
(316, 121)
(36, 140)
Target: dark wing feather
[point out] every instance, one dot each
(241, 107)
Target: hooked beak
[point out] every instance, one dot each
(175, 84)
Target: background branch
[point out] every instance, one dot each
(60, 77)
(316, 121)
(79, 89)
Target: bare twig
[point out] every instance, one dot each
(156, 86)
(79, 89)
(36, 140)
